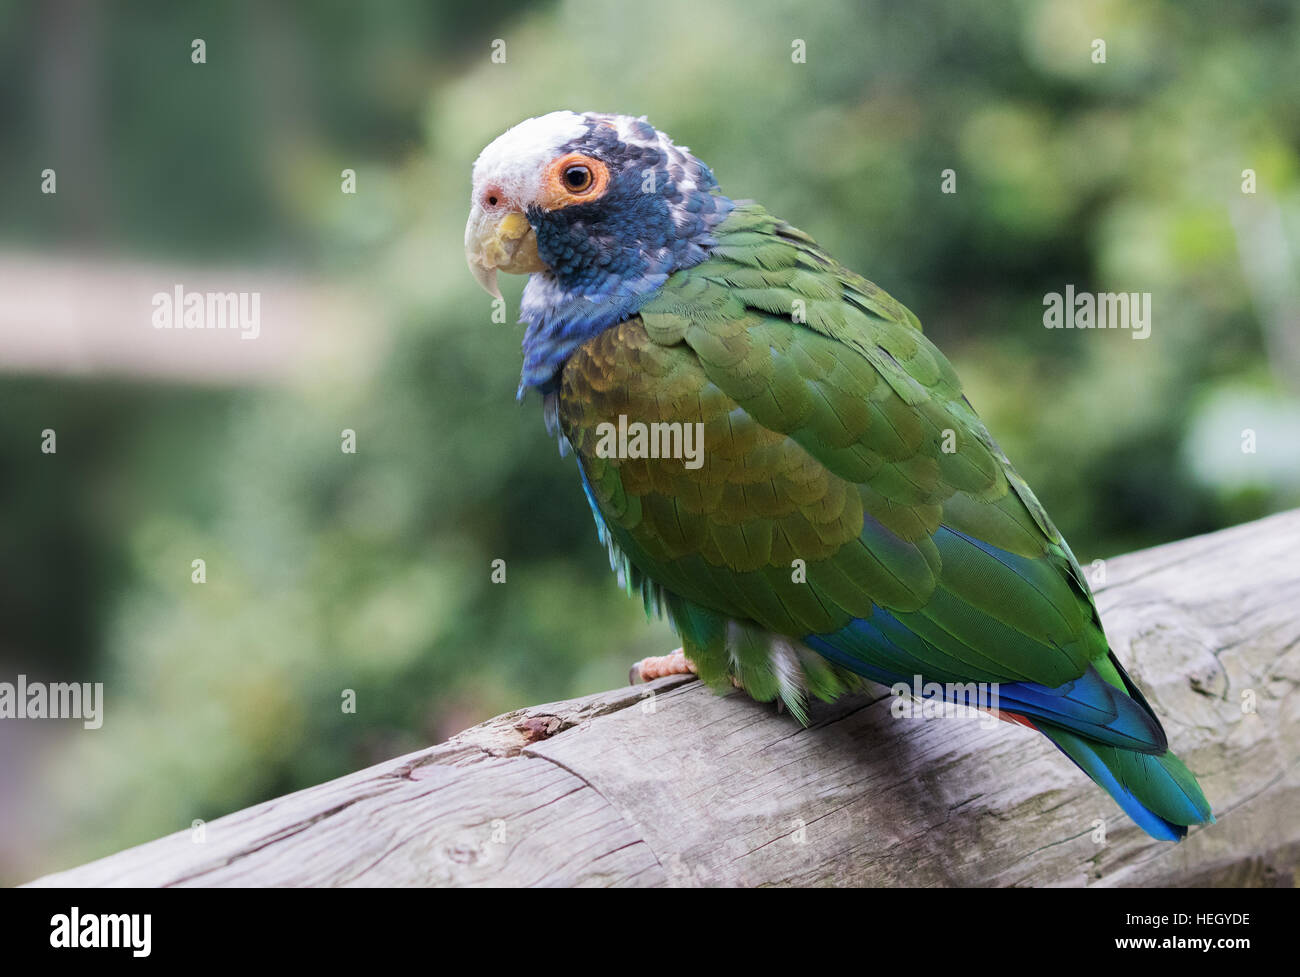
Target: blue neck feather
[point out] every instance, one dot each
(606, 259)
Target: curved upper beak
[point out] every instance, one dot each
(499, 240)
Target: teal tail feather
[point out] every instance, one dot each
(1155, 790)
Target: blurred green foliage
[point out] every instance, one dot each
(370, 572)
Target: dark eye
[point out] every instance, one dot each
(577, 179)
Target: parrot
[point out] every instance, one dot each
(845, 516)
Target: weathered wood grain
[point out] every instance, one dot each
(668, 784)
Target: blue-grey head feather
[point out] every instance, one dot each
(605, 259)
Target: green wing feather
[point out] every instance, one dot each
(848, 492)
(824, 441)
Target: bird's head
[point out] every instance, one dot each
(599, 210)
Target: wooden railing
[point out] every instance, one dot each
(668, 784)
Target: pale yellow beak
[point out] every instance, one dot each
(499, 241)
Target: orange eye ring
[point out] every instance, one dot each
(573, 179)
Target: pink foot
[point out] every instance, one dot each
(649, 669)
